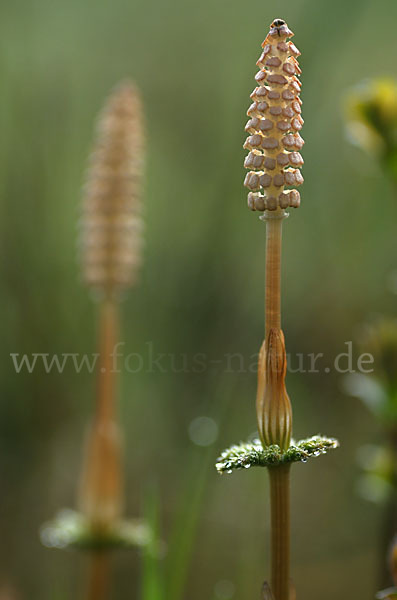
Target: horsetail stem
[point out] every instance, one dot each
(99, 577)
(101, 484)
(274, 143)
(111, 254)
(279, 478)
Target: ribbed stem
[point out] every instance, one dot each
(280, 531)
(280, 475)
(274, 224)
(98, 576)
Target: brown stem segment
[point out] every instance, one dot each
(108, 336)
(280, 531)
(274, 223)
(273, 405)
(98, 576)
(101, 484)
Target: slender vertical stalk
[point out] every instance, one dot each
(274, 223)
(101, 483)
(280, 531)
(101, 491)
(98, 576)
(108, 336)
(279, 475)
(101, 486)
(273, 405)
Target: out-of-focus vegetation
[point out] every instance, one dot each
(372, 120)
(200, 299)
(378, 391)
(372, 125)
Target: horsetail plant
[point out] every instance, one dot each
(110, 240)
(111, 243)
(274, 145)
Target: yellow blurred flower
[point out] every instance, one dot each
(371, 111)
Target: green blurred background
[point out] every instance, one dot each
(201, 288)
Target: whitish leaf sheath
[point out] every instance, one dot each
(111, 223)
(274, 142)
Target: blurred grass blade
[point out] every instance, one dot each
(183, 536)
(152, 572)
